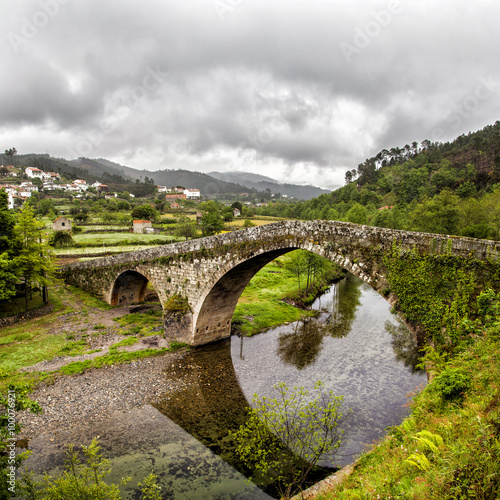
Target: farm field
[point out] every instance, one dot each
(112, 239)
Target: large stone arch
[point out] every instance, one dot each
(129, 287)
(211, 319)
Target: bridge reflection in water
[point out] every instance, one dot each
(358, 349)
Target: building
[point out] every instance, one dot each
(140, 226)
(33, 172)
(10, 201)
(174, 205)
(192, 194)
(82, 185)
(236, 212)
(50, 185)
(62, 224)
(176, 195)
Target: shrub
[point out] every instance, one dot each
(451, 383)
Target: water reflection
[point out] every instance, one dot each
(302, 346)
(350, 350)
(347, 347)
(404, 345)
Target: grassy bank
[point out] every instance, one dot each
(268, 299)
(449, 447)
(69, 331)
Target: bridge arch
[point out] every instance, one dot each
(213, 314)
(198, 280)
(129, 287)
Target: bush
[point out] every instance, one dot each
(61, 238)
(452, 383)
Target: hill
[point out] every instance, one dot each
(122, 178)
(262, 183)
(448, 188)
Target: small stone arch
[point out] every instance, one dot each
(130, 287)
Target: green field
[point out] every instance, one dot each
(261, 307)
(114, 239)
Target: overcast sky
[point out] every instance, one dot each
(299, 90)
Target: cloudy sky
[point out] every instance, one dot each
(299, 90)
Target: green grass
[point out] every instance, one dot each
(125, 342)
(449, 448)
(261, 307)
(141, 323)
(116, 357)
(114, 239)
(87, 299)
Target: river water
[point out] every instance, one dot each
(356, 347)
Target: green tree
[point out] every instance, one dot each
(295, 262)
(10, 153)
(211, 223)
(144, 212)
(61, 238)
(210, 206)
(248, 223)
(7, 223)
(8, 277)
(287, 435)
(357, 214)
(33, 258)
(185, 228)
(438, 215)
(237, 205)
(227, 214)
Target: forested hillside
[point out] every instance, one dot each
(450, 188)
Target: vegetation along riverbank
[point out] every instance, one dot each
(281, 290)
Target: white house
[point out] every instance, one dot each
(82, 185)
(10, 201)
(33, 172)
(192, 194)
(9, 188)
(50, 185)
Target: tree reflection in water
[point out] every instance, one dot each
(302, 346)
(404, 345)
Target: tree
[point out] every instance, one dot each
(144, 212)
(10, 153)
(227, 214)
(33, 258)
(211, 223)
(295, 263)
(8, 277)
(61, 238)
(7, 223)
(237, 205)
(357, 214)
(185, 228)
(287, 435)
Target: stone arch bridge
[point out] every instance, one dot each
(199, 282)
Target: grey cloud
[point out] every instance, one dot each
(268, 78)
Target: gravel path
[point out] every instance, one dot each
(96, 394)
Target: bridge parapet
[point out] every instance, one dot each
(199, 281)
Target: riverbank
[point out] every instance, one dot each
(275, 296)
(449, 447)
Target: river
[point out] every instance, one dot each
(356, 347)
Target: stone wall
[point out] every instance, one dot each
(211, 273)
(30, 314)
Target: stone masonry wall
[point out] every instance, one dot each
(212, 272)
